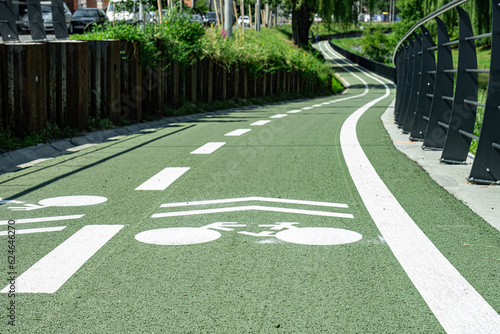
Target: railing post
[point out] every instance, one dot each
(427, 76)
(401, 65)
(408, 77)
(463, 115)
(35, 17)
(486, 166)
(59, 20)
(417, 65)
(8, 29)
(435, 134)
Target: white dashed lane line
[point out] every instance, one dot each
(237, 133)
(163, 179)
(260, 123)
(209, 148)
(279, 116)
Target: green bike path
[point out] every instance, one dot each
(156, 233)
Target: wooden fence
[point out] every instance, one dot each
(67, 82)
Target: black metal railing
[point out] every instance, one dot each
(436, 103)
(9, 20)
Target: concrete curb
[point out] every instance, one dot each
(483, 200)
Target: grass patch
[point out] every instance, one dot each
(10, 142)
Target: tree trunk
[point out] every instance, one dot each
(302, 19)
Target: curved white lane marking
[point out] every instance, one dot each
(455, 303)
(256, 199)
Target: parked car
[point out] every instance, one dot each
(47, 17)
(83, 19)
(246, 21)
(196, 18)
(210, 18)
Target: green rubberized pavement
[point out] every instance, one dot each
(241, 283)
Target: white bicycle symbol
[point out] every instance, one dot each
(287, 232)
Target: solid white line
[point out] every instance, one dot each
(455, 303)
(260, 123)
(237, 133)
(317, 105)
(279, 116)
(35, 230)
(252, 208)
(163, 179)
(40, 220)
(79, 148)
(208, 148)
(55, 268)
(254, 198)
(32, 163)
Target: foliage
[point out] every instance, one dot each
(414, 10)
(181, 38)
(10, 142)
(201, 6)
(303, 12)
(266, 51)
(377, 45)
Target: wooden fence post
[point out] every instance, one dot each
(26, 68)
(94, 76)
(77, 84)
(110, 85)
(132, 86)
(194, 82)
(56, 81)
(176, 84)
(236, 83)
(224, 83)
(245, 83)
(210, 82)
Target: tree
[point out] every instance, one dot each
(303, 15)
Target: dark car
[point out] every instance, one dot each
(83, 19)
(210, 18)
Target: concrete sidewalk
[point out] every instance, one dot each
(484, 200)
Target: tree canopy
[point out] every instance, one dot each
(303, 12)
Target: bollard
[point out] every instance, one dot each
(26, 87)
(110, 83)
(67, 80)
